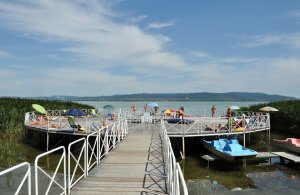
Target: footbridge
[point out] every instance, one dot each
(118, 158)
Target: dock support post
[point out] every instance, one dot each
(244, 138)
(47, 141)
(183, 148)
(269, 124)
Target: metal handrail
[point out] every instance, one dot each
(173, 170)
(82, 155)
(27, 176)
(52, 178)
(92, 150)
(118, 131)
(181, 179)
(219, 125)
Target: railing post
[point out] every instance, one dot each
(106, 141)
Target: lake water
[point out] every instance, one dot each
(203, 106)
(256, 177)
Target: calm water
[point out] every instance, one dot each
(203, 106)
(253, 177)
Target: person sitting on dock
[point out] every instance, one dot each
(73, 125)
(180, 112)
(209, 128)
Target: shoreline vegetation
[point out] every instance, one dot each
(286, 120)
(12, 111)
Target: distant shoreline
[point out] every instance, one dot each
(203, 96)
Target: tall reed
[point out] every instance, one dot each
(12, 113)
(287, 119)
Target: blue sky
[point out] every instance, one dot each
(108, 47)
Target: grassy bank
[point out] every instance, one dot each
(12, 112)
(287, 119)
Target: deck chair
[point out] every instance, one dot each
(74, 125)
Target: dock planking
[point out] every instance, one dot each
(135, 166)
(289, 156)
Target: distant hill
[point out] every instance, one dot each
(203, 96)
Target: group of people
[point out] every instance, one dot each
(134, 108)
(229, 112)
(180, 111)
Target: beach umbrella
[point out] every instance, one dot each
(39, 108)
(169, 111)
(153, 104)
(234, 107)
(268, 109)
(109, 107)
(74, 112)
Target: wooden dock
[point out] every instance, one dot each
(288, 156)
(135, 166)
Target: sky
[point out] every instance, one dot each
(110, 47)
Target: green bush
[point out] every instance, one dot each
(287, 119)
(12, 115)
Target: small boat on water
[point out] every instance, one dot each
(290, 144)
(229, 149)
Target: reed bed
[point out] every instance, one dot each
(12, 112)
(287, 119)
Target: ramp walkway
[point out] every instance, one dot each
(135, 166)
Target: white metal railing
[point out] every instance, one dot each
(175, 181)
(55, 121)
(27, 176)
(53, 178)
(80, 162)
(219, 125)
(91, 149)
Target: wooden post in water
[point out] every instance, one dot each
(244, 137)
(47, 141)
(244, 125)
(183, 148)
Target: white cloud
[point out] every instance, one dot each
(6, 73)
(117, 58)
(199, 54)
(292, 40)
(157, 25)
(5, 54)
(136, 19)
(88, 30)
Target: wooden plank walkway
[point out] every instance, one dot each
(288, 156)
(135, 166)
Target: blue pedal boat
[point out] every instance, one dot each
(229, 149)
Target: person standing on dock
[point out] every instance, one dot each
(133, 108)
(228, 112)
(213, 111)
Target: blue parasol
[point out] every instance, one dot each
(153, 104)
(74, 112)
